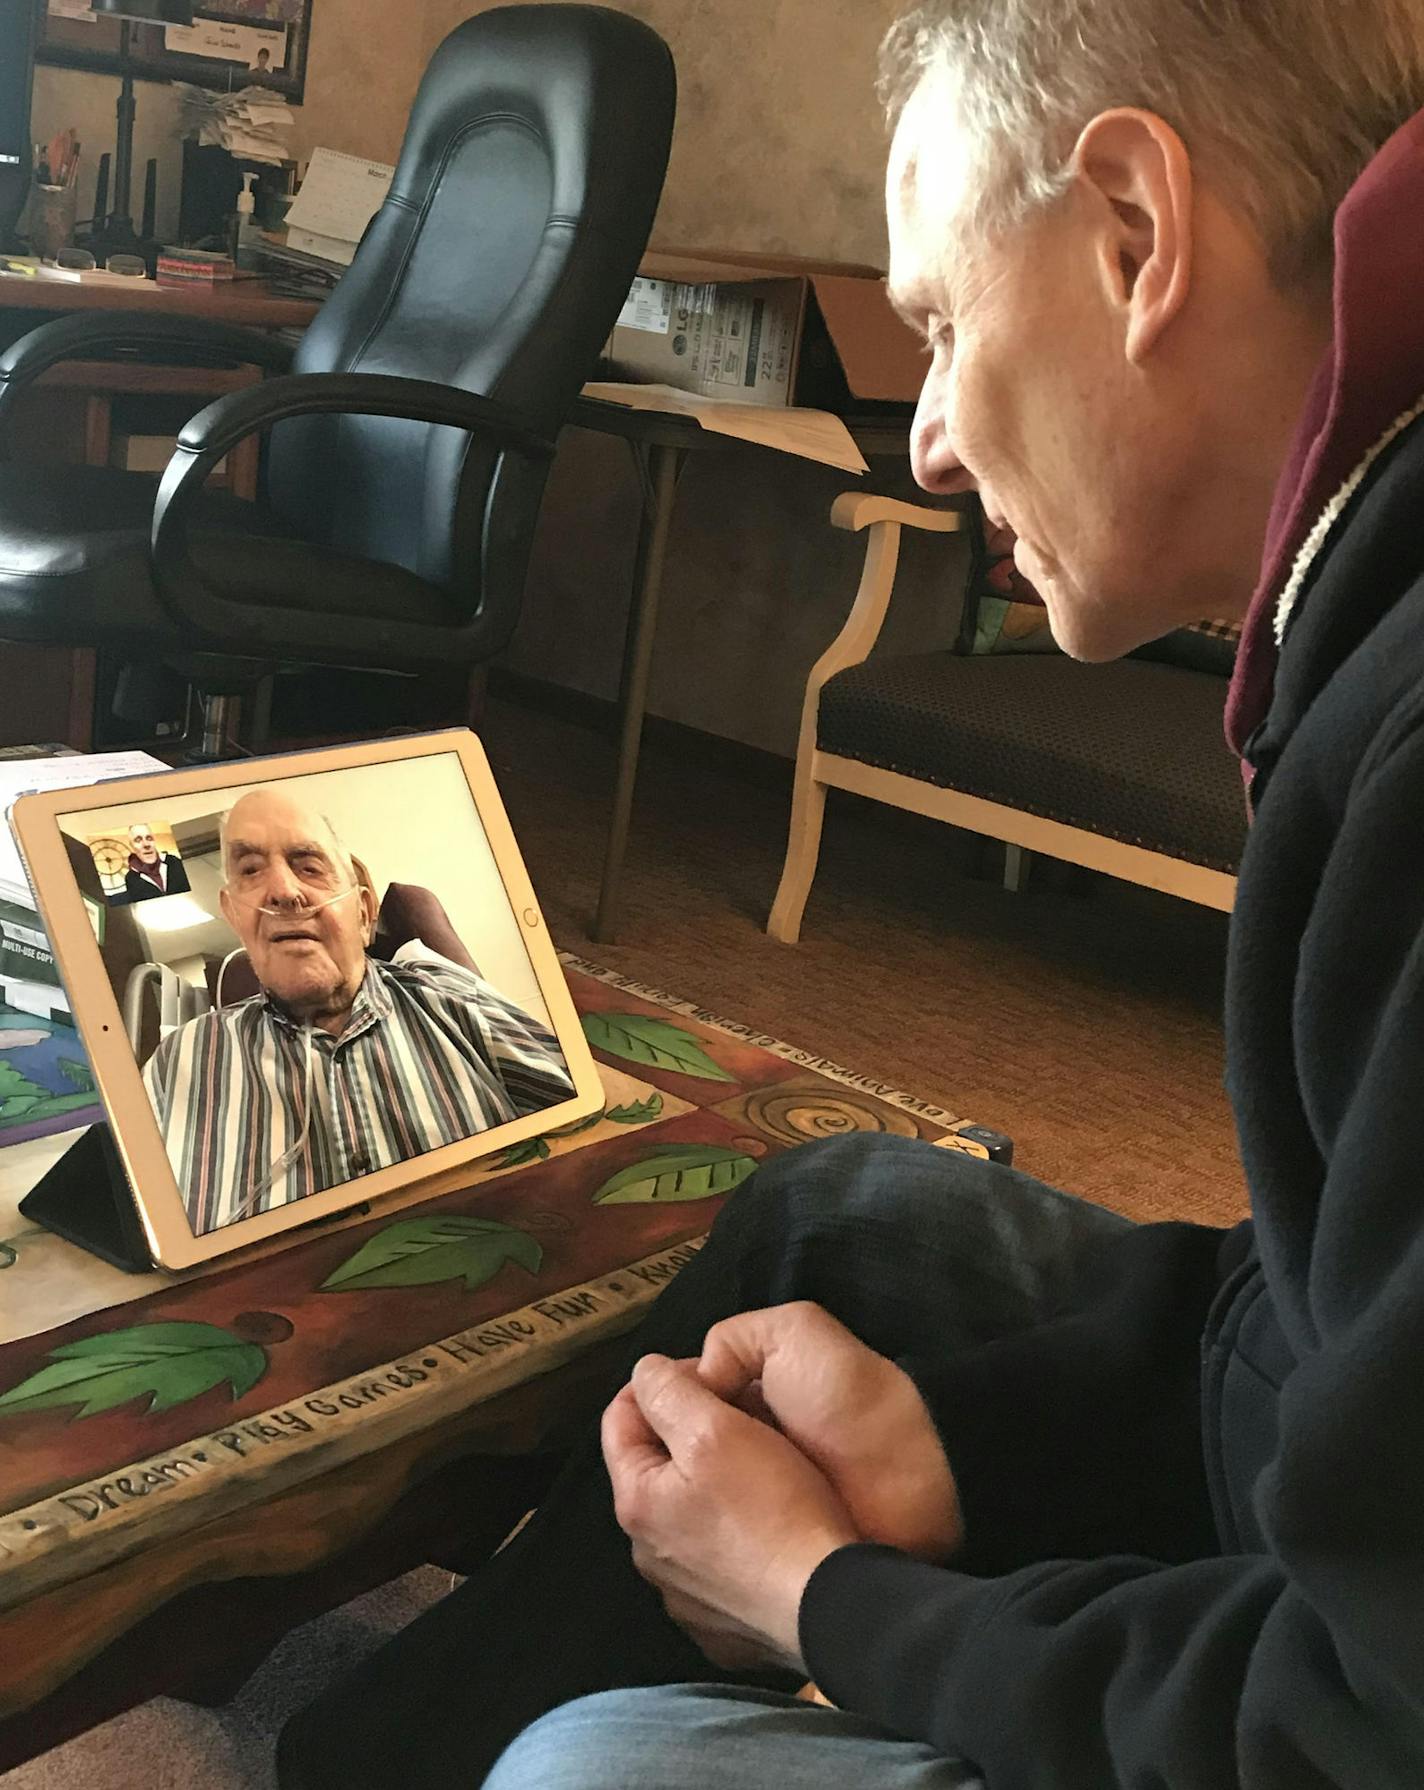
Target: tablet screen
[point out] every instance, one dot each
(319, 977)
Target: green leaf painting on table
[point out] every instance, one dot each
(637, 1112)
(529, 1149)
(423, 1252)
(652, 1043)
(579, 1126)
(536, 1149)
(675, 1172)
(166, 1363)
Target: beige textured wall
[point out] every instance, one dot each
(364, 66)
(780, 146)
(757, 584)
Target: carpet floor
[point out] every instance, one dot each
(1083, 1018)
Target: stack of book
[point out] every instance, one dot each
(46, 1083)
(29, 981)
(194, 267)
(294, 273)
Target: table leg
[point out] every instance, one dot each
(663, 469)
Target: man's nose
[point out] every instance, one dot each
(284, 888)
(936, 466)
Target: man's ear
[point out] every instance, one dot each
(225, 906)
(1137, 172)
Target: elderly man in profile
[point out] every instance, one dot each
(1041, 1499)
(342, 1064)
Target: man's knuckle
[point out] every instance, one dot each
(702, 1445)
(805, 1314)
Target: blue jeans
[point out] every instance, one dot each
(715, 1737)
(918, 1251)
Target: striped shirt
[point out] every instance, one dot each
(430, 1054)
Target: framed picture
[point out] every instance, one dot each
(238, 43)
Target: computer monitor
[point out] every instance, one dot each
(19, 23)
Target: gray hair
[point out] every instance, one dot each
(1282, 101)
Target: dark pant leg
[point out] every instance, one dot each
(916, 1249)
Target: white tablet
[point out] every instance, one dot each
(305, 984)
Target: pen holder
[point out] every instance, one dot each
(52, 218)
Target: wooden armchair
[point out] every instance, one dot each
(1121, 768)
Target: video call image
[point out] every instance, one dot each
(319, 977)
(138, 863)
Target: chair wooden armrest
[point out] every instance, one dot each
(884, 517)
(859, 509)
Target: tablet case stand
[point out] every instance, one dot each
(86, 1199)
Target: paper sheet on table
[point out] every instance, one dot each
(28, 267)
(70, 772)
(811, 434)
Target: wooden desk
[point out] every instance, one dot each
(68, 418)
(25, 304)
(250, 303)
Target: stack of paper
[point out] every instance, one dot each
(294, 274)
(253, 124)
(29, 982)
(811, 434)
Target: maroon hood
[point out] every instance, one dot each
(1372, 374)
(151, 871)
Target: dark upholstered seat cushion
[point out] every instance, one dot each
(74, 562)
(1132, 751)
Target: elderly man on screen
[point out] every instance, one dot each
(343, 1063)
(1039, 1498)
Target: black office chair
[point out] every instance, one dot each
(411, 432)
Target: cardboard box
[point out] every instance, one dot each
(766, 330)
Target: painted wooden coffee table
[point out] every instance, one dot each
(159, 1434)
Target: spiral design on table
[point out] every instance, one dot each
(798, 1115)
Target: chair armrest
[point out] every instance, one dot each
(233, 417)
(858, 509)
(93, 335)
(884, 517)
(223, 424)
